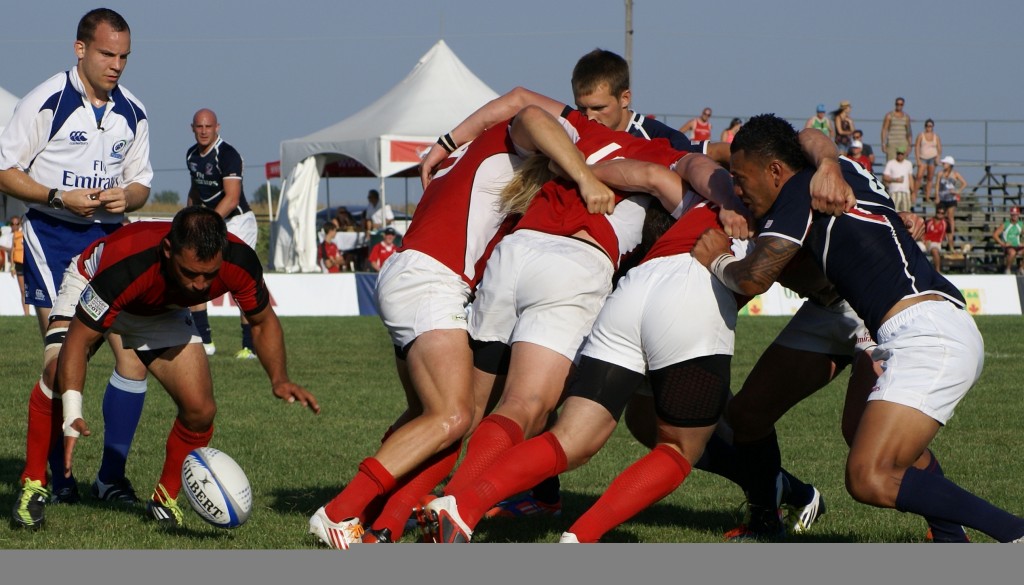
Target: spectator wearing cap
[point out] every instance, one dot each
(1008, 236)
(856, 154)
(866, 150)
(820, 121)
(844, 126)
(948, 183)
(898, 177)
(383, 249)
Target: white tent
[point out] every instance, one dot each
(382, 140)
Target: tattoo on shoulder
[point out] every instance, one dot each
(765, 262)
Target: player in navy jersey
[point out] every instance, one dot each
(76, 151)
(215, 170)
(135, 282)
(930, 349)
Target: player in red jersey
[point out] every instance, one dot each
(545, 284)
(422, 295)
(667, 316)
(139, 282)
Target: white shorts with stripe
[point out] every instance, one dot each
(415, 294)
(931, 353)
(244, 227)
(143, 332)
(663, 312)
(833, 330)
(541, 289)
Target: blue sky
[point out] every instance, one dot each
(275, 71)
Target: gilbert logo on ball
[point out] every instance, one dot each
(216, 487)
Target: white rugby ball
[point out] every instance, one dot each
(216, 487)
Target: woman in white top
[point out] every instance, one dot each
(927, 152)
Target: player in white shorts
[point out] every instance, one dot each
(422, 294)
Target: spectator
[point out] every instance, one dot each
(948, 184)
(896, 131)
(698, 129)
(330, 259)
(1008, 237)
(898, 176)
(344, 221)
(869, 152)
(384, 249)
(377, 218)
(857, 155)
(820, 121)
(844, 126)
(927, 152)
(734, 127)
(936, 231)
(17, 258)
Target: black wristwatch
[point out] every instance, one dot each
(55, 199)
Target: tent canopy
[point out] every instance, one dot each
(385, 139)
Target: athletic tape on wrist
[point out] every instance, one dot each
(448, 143)
(718, 266)
(72, 404)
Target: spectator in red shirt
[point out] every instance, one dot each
(936, 230)
(856, 154)
(384, 249)
(331, 260)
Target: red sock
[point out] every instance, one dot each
(374, 508)
(495, 435)
(417, 484)
(180, 442)
(518, 469)
(643, 483)
(41, 429)
(371, 480)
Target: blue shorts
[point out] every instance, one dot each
(50, 244)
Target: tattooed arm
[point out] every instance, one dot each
(756, 272)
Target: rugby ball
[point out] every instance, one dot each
(216, 487)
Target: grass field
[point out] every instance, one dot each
(297, 461)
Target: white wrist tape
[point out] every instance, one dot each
(718, 266)
(72, 404)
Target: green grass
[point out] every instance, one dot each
(297, 461)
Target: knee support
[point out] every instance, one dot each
(692, 393)
(492, 357)
(607, 384)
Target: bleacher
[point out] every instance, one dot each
(983, 207)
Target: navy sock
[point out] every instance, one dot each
(548, 491)
(943, 531)
(761, 462)
(247, 336)
(794, 491)
(122, 409)
(720, 458)
(202, 321)
(931, 495)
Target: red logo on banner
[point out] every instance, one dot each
(273, 169)
(408, 151)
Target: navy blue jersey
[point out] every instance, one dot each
(209, 171)
(643, 127)
(867, 252)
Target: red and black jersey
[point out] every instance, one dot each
(127, 271)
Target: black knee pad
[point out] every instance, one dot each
(692, 393)
(607, 384)
(492, 357)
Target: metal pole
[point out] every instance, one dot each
(629, 34)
